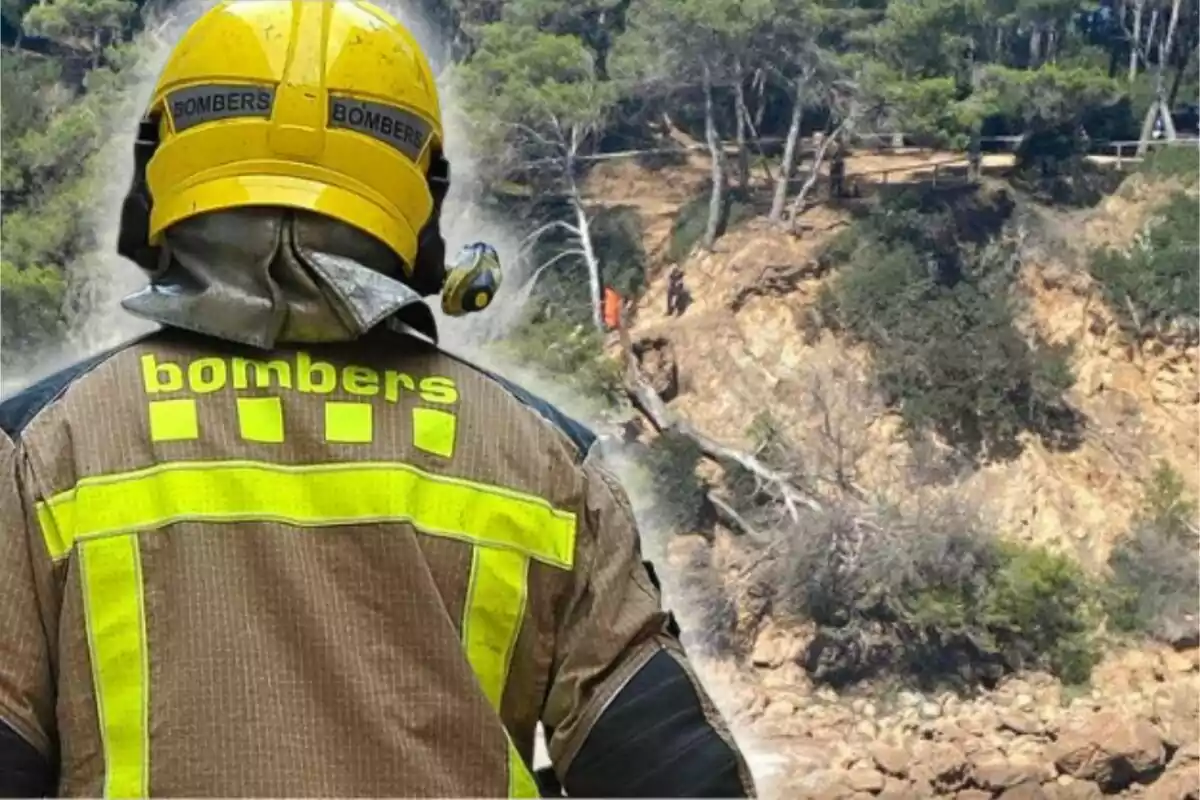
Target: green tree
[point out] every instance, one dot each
(84, 27)
(668, 44)
(536, 104)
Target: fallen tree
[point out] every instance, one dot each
(647, 401)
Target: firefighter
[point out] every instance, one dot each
(285, 545)
(676, 293)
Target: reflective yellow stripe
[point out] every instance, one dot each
(520, 779)
(495, 607)
(308, 496)
(111, 571)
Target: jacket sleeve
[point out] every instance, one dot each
(27, 753)
(625, 714)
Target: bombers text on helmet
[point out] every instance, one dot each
(323, 105)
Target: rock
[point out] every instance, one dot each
(769, 650)
(1075, 790)
(1188, 753)
(890, 760)
(1111, 750)
(897, 789)
(656, 356)
(922, 788)
(779, 709)
(973, 794)
(1176, 663)
(948, 765)
(930, 711)
(865, 780)
(998, 774)
(1017, 722)
(1177, 783)
(1029, 790)
(866, 728)
(829, 786)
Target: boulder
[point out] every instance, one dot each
(890, 760)
(1177, 783)
(1110, 749)
(656, 357)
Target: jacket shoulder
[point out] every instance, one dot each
(580, 436)
(20, 409)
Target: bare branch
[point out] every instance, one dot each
(646, 400)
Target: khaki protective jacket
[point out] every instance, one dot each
(357, 570)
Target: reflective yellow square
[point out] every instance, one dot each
(348, 422)
(434, 431)
(173, 420)
(260, 419)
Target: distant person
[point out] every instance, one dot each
(612, 308)
(837, 171)
(676, 292)
(286, 546)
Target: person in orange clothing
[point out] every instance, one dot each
(612, 308)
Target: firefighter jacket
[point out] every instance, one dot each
(359, 569)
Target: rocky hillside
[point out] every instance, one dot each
(747, 346)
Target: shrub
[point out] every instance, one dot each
(1154, 282)
(31, 310)
(930, 294)
(1156, 567)
(932, 595)
(1039, 611)
(680, 497)
(570, 351)
(1181, 163)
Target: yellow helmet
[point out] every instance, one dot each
(324, 105)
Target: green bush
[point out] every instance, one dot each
(692, 218)
(31, 310)
(1156, 566)
(1178, 162)
(668, 463)
(1154, 282)
(570, 351)
(928, 288)
(1040, 610)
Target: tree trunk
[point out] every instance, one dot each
(1167, 43)
(1160, 107)
(1177, 81)
(760, 89)
(1136, 39)
(742, 113)
(1035, 46)
(811, 181)
(584, 230)
(716, 201)
(789, 156)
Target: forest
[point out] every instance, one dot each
(546, 85)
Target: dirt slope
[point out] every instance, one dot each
(1030, 737)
